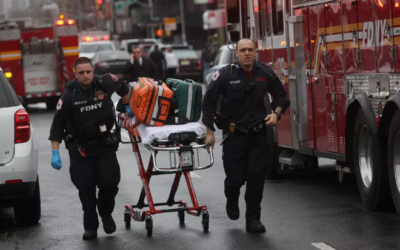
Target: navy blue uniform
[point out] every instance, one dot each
(243, 103)
(93, 162)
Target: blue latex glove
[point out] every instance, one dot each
(56, 160)
(129, 111)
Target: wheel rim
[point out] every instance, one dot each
(364, 156)
(396, 159)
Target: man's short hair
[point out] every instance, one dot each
(82, 60)
(237, 43)
(137, 47)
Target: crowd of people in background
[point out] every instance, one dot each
(159, 65)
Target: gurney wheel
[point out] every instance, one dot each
(181, 215)
(205, 222)
(149, 227)
(127, 219)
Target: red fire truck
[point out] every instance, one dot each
(339, 61)
(39, 61)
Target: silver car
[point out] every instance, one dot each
(224, 57)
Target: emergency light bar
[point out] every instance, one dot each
(94, 39)
(62, 22)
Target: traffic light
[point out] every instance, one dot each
(99, 4)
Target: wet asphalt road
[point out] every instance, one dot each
(298, 211)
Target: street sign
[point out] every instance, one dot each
(124, 4)
(170, 23)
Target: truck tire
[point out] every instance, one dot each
(370, 167)
(394, 159)
(51, 102)
(28, 212)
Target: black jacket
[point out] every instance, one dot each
(133, 71)
(157, 57)
(241, 101)
(63, 121)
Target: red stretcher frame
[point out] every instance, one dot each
(145, 175)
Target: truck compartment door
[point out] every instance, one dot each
(334, 55)
(384, 35)
(318, 70)
(366, 55)
(351, 38)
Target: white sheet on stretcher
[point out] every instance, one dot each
(149, 133)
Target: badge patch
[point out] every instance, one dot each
(100, 95)
(216, 75)
(114, 77)
(59, 104)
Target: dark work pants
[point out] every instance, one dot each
(100, 168)
(245, 159)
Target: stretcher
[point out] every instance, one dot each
(183, 143)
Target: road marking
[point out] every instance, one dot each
(322, 246)
(194, 175)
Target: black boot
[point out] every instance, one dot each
(255, 226)
(89, 235)
(109, 224)
(232, 208)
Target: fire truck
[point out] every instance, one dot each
(339, 62)
(38, 61)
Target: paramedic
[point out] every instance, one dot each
(241, 88)
(84, 118)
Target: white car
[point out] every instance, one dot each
(19, 180)
(89, 49)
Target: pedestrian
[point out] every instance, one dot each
(244, 119)
(172, 62)
(139, 66)
(159, 60)
(84, 119)
(206, 59)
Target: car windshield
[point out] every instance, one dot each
(115, 55)
(93, 48)
(224, 56)
(145, 46)
(185, 54)
(175, 48)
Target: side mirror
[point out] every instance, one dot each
(21, 101)
(122, 48)
(211, 63)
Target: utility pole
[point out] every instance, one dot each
(113, 12)
(80, 14)
(183, 23)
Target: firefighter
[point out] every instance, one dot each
(240, 89)
(84, 118)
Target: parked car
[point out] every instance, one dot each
(189, 65)
(145, 44)
(223, 58)
(110, 62)
(174, 47)
(89, 49)
(19, 180)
